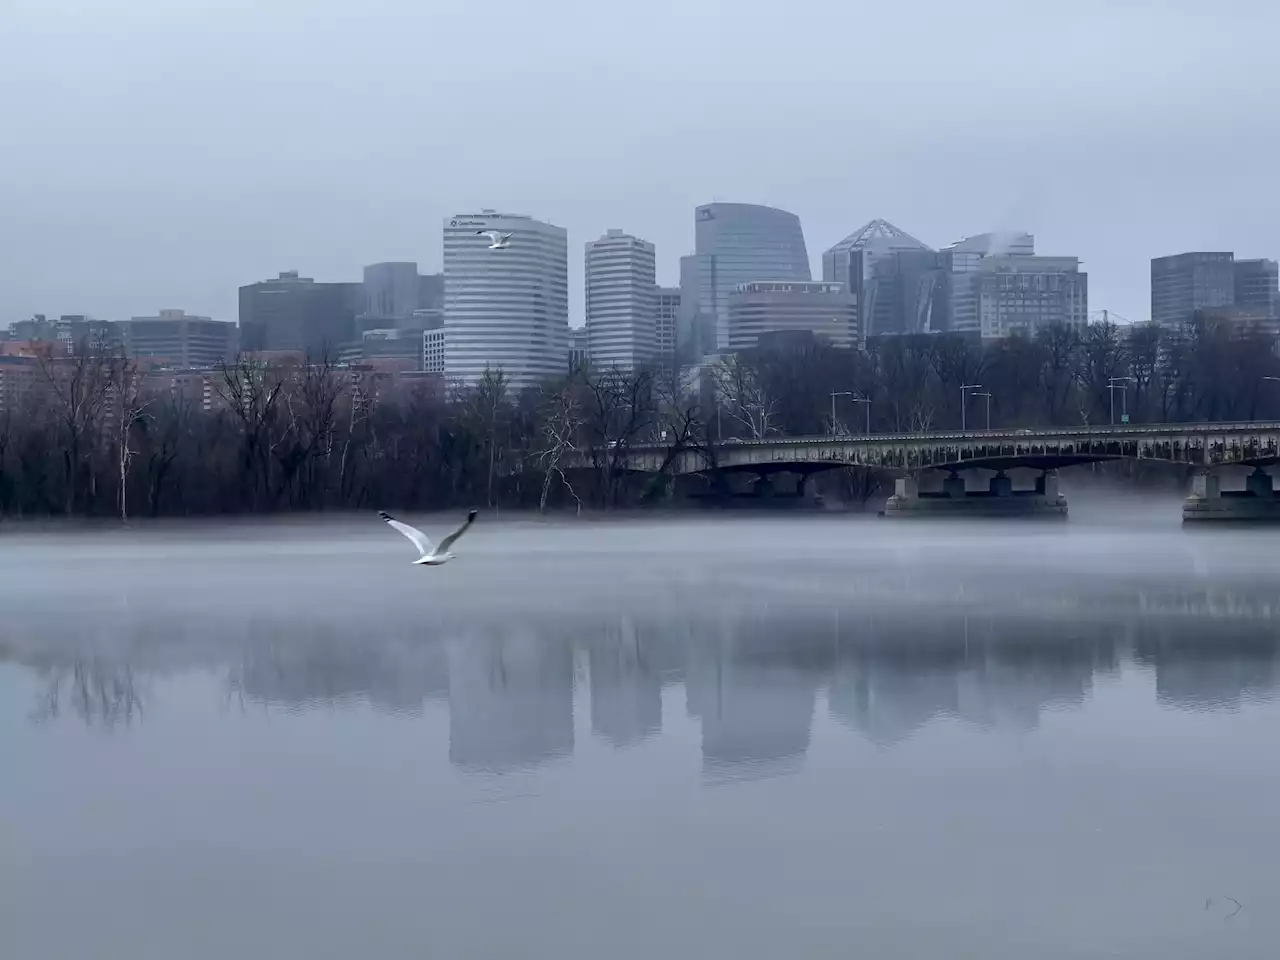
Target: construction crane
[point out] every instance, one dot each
(1109, 316)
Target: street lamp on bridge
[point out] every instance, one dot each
(988, 396)
(865, 401)
(1119, 383)
(964, 400)
(834, 394)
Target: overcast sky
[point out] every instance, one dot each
(160, 153)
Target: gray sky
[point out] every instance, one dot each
(159, 153)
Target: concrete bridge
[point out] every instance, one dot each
(919, 459)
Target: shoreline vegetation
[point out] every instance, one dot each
(88, 441)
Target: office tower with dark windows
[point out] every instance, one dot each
(293, 313)
(181, 340)
(1187, 282)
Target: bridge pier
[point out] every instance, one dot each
(1208, 501)
(1000, 499)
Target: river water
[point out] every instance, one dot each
(700, 736)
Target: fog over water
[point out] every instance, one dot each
(702, 735)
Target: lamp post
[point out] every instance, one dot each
(964, 399)
(866, 401)
(988, 396)
(837, 393)
(1114, 384)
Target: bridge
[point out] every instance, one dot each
(1211, 447)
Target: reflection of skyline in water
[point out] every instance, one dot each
(752, 678)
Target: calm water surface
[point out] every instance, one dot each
(702, 737)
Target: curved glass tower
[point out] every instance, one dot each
(736, 243)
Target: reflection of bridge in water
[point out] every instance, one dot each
(753, 679)
(931, 465)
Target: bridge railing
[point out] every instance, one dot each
(1023, 434)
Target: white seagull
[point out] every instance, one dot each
(432, 555)
(500, 240)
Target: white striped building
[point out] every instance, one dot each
(505, 309)
(622, 301)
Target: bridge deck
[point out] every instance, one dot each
(1244, 443)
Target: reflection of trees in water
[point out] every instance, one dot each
(98, 694)
(330, 667)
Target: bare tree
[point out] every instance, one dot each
(310, 404)
(80, 386)
(129, 409)
(100, 694)
(486, 404)
(252, 390)
(164, 431)
(1061, 346)
(618, 411)
(562, 422)
(679, 422)
(739, 384)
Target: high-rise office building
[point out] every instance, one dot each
(853, 262)
(1187, 282)
(391, 290)
(296, 313)
(1257, 285)
(431, 291)
(396, 296)
(507, 308)
(1022, 294)
(994, 284)
(665, 324)
(906, 293)
(579, 349)
(621, 301)
(826, 310)
(181, 340)
(734, 243)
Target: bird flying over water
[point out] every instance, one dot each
(431, 555)
(500, 240)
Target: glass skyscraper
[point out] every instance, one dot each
(734, 243)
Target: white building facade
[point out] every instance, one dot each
(622, 301)
(505, 309)
(1023, 294)
(433, 350)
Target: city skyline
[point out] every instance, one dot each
(818, 258)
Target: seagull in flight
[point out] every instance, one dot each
(432, 555)
(500, 241)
